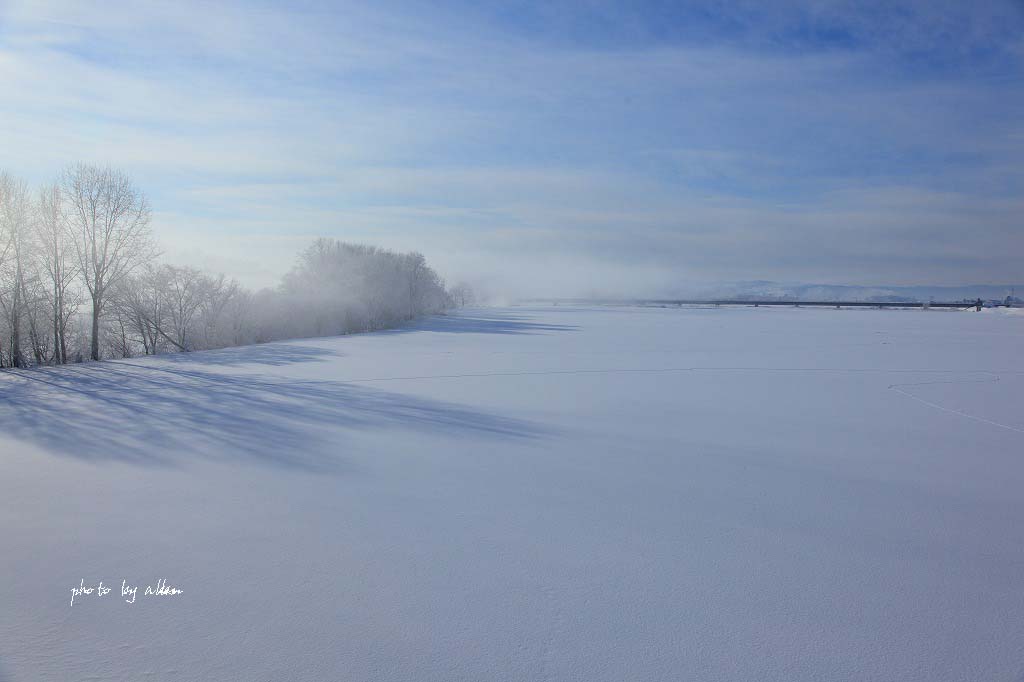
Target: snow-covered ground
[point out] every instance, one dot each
(529, 494)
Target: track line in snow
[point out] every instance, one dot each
(995, 379)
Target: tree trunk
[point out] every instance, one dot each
(16, 360)
(95, 350)
(59, 356)
(16, 344)
(33, 330)
(57, 360)
(63, 331)
(37, 346)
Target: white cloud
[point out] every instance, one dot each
(254, 127)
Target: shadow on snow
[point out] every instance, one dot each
(149, 415)
(480, 322)
(276, 354)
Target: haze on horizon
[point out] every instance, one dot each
(546, 148)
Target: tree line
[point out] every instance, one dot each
(80, 278)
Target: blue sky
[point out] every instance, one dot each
(546, 148)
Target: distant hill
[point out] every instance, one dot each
(789, 291)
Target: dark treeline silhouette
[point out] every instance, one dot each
(80, 278)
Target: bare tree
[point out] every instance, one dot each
(139, 304)
(180, 306)
(34, 306)
(6, 185)
(415, 267)
(462, 295)
(185, 295)
(15, 258)
(108, 219)
(93, 227)
(119, 344)
(56, 257)
(216, 296)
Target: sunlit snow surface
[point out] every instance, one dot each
(529, 494)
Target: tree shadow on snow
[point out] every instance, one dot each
(481, 322)
(278, 353)
(274, 354)
(149, 415)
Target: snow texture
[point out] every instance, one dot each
(529, 494)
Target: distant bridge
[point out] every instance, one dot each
(757, 303)
(809, 304)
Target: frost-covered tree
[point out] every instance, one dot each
(56, 260)
(139, 307)
(108, 219)
(338, 288)
(15, 263)
(178, 308)
(212, 321)
(87, 237)
(462, 295)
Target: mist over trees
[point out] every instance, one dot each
(80, 278)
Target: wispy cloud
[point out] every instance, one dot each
(874, 142)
